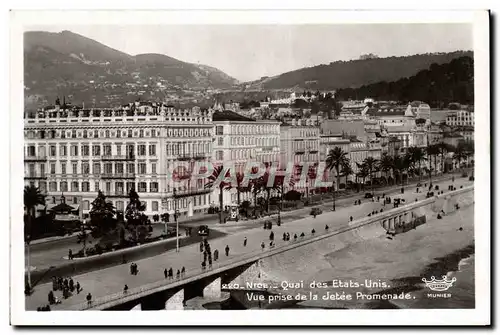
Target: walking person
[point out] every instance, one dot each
(216, 255)
(271, 236)
(313, 231)
(51, 298)
(183, 271)
(170, 273)
(262, 245)
(70, 254)
(227, 250)
(288, 236)
(245, 242)
(178, 274)
(78, 288)
(125, 289)
(295, 237)
(165, 273)
(71, 285)
(284, 236)
(210, 263)
(89, 299)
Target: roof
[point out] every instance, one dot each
(62, 207)
(396, 111)
(228, 115)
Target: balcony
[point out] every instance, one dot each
(189, 157)
(300, 151)
(118, 176)
(191, 192)
(35, 158)
(118, 157)
(36, 175)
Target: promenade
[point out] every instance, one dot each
(54, 252)
(111, 280)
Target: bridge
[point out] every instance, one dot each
(238, 270)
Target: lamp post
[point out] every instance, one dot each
(333, 190)
(176, 221)
(29, 261)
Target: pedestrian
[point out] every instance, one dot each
(313, 231)
(271, 236)
(262, 245)
(227, 250)
(89, 299)
(201, 246)
(271, 244)
(203, 266)
(417, 189)
(245, 242)
(302, 235)
(326, 227)
(54, 283)
(71, 285)
(178, 274)
(170, 273)
(66, 292)
(294, 237)
(165, 273)
(66, 282)
(205, 255)
(136, 269)
(216, 255)
(378, 198)
(70, 254)
(288, 236)
(284, 236)
(210, 263)
(51, 298)
(132, 268)
(78, 288)
(183, 271)
(351, 218)
(125, 289)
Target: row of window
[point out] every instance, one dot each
(84, 150)
(141, 133)
(119, 168)
(261, 142)
(120, 188)
(249, 129)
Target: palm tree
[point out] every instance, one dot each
(268, 188)
(459, 154)
(433, 151)
(336, 158)
(347, 170)
(386, 164)
(213, 181)
(362, 173)
(417, 155)
(399, 166)
(371, 165)
(32, 198)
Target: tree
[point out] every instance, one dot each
(101, 216)
(346, 170)
(136, 219)
(222, 185)
(399, 166)
(32, 198)
(386, 165)
(433, 151)
(336, 159)
(371, 165)
(459, 154)
(417, 155)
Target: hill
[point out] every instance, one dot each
(85, 70)
(355, 73)
(438, 85)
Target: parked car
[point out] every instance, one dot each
(203, 230)
(368, 195)
(316, 211)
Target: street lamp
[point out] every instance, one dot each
(176, 221)
(333, 190)
(29, 261)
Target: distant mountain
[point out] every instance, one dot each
(439, 85)
(355, 73)
(65, 63)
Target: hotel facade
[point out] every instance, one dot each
(76, 152)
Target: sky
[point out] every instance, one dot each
(249, 52)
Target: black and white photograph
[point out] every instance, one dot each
(229, 163)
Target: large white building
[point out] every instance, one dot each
(79, 151)
(239, 140)
(460, 118)
(300, 144)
